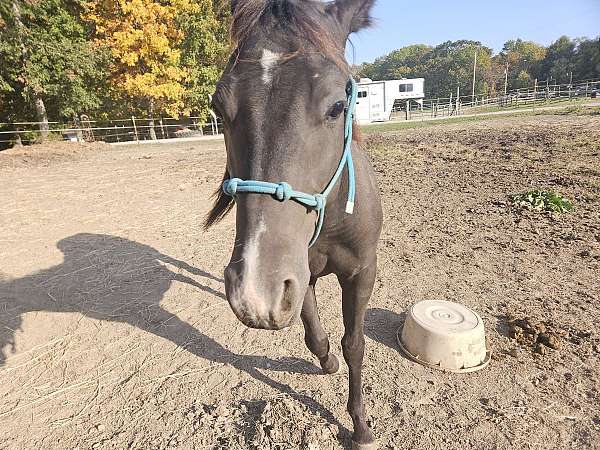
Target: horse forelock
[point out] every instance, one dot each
(305, 20)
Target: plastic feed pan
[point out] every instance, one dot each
(445, 336)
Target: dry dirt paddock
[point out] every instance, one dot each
(114, 330)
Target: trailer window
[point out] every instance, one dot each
(362, 94)
(406, 88)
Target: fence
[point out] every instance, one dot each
(540, 94)
(138, 129)
(84, 129)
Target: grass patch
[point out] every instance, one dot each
(388, 127)
(399, 126)
(578, 110)
(537, 200)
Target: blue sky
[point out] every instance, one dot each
(493, 22)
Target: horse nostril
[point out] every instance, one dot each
(287, 301)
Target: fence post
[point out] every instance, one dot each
(534, 94)
(587, 83)
(457, 100)
(570, 85)
(134, 129)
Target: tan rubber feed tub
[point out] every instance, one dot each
(444, 335)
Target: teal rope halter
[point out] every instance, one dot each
(283, 191)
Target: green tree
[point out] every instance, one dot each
(523, 60)
(204, 52)
(406, 62)
(559, 60)
(586, 64)
(444, 67)
(47, 67)
(450, 65)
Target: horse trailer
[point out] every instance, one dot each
(376, 99)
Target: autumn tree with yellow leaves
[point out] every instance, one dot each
(163, 51)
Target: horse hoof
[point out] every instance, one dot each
(330, 364)
(370, 446)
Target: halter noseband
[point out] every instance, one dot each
(283, 191)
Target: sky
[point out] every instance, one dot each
(399, 23)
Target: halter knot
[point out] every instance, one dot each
(283, 192)
(230, 186)
(321, 201)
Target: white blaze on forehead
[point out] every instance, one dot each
(267, 61)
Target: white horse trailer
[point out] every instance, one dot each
(376, 99)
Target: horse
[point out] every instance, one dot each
(306, 200)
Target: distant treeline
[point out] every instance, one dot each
(450, 65)
(117, 58)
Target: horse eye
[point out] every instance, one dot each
(336, 110)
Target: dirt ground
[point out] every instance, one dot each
(114, 330)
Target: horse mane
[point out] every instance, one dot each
(297, 18)
(221, 206)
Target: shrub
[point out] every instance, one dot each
(538, 200)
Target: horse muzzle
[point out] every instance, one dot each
(270, 304)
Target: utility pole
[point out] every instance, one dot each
(474, 69)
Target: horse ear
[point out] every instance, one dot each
(353, 15)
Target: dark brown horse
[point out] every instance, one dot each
(282, 99)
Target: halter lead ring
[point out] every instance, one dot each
(283, 191)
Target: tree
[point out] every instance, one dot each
(406, 62)
(523, 59)
(445, 67)
(450, 65)
(559, 60)
(48, 66)
(204, 51)
(586, 63)
(143, 39)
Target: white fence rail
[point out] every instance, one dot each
(118, 130)
(538, 95)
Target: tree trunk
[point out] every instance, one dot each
(18, 141)
(17, 13)
(40, 108)
(42, 117)
(151, 121)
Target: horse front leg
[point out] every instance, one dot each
(356, 292)
(314, 335)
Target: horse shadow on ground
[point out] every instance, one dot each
(381, 325)
(115, 279)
